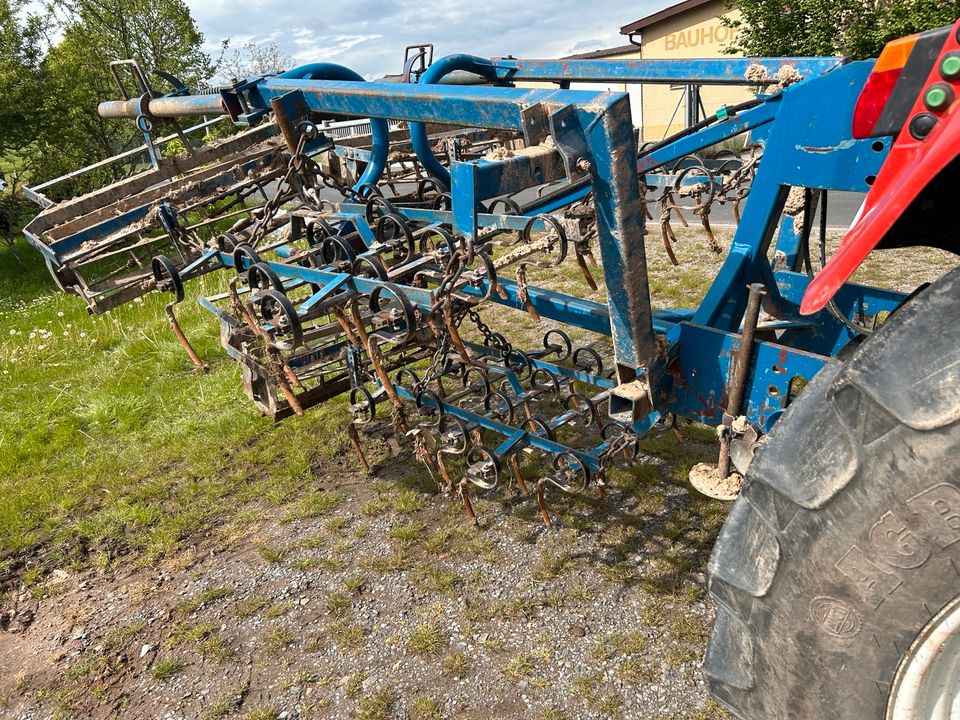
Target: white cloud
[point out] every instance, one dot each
(369, 35)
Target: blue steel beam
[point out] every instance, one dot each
(701, 71)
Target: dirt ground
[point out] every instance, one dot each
(379, 600)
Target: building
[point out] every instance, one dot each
(689, 29)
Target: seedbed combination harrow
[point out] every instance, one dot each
(374, 237)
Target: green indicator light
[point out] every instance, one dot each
(936, 98)
(950, 67)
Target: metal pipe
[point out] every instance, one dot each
(167, 107)
(740, 369)
(379, 128)
(478, 66)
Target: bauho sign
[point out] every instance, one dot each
(695, 37)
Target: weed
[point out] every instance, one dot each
(207, 596)
(338, 604)
(304, 564)
(425, 708)
(455, 663)
(261, 712)
(630, 643)
(336, 523)
(354, 583)
(248, 607)
(407, 501)
(271, 554)
(279, 638)
(355, 684)
(407, 533)
(348, 634)
(84, 667)
(436, 579)
(552, 565)
(521, 666)
(377, 706)
(637, 671)
(426, 639)
(167, 667)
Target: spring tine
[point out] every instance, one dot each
(178, 332)
(518, 475)
(542, 503)
(524, 295)
(444, 473)
(467, 505)
(373, 353)
(665, 235)
(586, 271)
(354, 436)
(705, 219)
(683, 220)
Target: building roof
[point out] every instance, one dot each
(606, 52)
(680, 7)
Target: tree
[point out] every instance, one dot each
(21, 39)
(159, 35)
(854, 28)
(251, 60)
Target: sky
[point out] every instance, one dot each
(369, 35)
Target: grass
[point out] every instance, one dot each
(378, 706)
(427, 639)
(167, 667)
(110, 443)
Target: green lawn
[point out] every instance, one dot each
(109, 439)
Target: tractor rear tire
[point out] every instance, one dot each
(843, 550)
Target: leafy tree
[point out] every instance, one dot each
(21, 41)
(159, 35)
(855, 28)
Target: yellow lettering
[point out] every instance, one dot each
(682, 40)
(706, 35)
(670, 41)
(721, 33)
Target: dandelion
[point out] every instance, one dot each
(41, 347)
(13, 331)
(83, 335)
(59, 313)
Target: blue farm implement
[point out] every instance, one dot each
(373, 237)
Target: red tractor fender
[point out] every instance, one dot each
(914, 161)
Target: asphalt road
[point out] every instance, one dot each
(841, 209)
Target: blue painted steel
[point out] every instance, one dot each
(418, 131)
(810, 145)
(701, 373)
(379, 129)
(700, 71)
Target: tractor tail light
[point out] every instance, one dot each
(898, 77)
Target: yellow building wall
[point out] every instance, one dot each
(697, 33)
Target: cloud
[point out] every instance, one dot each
(370, 35)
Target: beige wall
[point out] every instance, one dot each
(697, 33)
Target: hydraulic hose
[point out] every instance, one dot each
(379, 128)
(418, 131)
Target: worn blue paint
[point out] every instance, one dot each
(806, 129)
